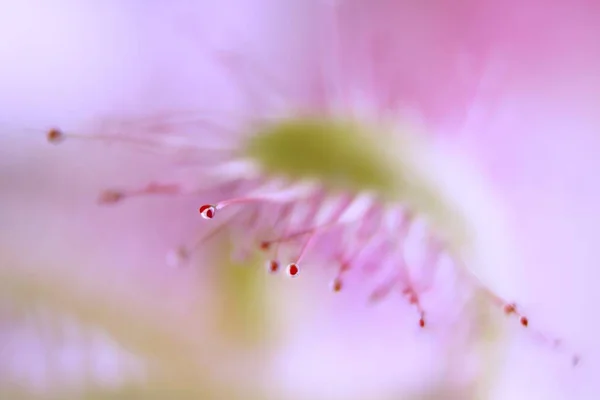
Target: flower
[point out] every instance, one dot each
(345, 98)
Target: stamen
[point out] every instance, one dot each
(295, 235)
(158, 134)
(183, 253)
(308, 220)
(112, 196)
(214, 232)
(375, 235)
(280, 196)
(305, 247)
(429, 266)
(413, 299)
(371, 223)
(286, 227)
(337, 283)
(286, 211)
(282, 216)
(382, 291)
(56, 135)
(250, 229)
(397, 226)
(409, 292)
(511, 309)
(362, 240)
(344, 205)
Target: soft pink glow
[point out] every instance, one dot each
(512, 86)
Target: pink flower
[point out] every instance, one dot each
(342, 143)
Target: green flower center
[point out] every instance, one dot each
(343, 155)
(339, 154)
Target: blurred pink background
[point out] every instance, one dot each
(513, 85)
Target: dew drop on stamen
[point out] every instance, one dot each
(207, 211)
(292, 269)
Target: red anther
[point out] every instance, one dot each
(337, 285)
(264, 245)
(411, 296)
(55, 135)
(547, 339)
(345, 267)
(422, 322)
(412, 299)
(509, 308)
(207, 211)
(111, 197)
(293, 269)
(273, 266)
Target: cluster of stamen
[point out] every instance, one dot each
(374, 241)
(382, 245)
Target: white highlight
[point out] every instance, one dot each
(357, 209)
(233, 170)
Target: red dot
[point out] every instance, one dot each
(293, 269)
(422, 323)
(54, 135)
(345, 267)
(524, 321)
(265, 245)
(337, 285)
(509, 308)
(207, 211)
(413, 299)
(111, 197)
(273, 266)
